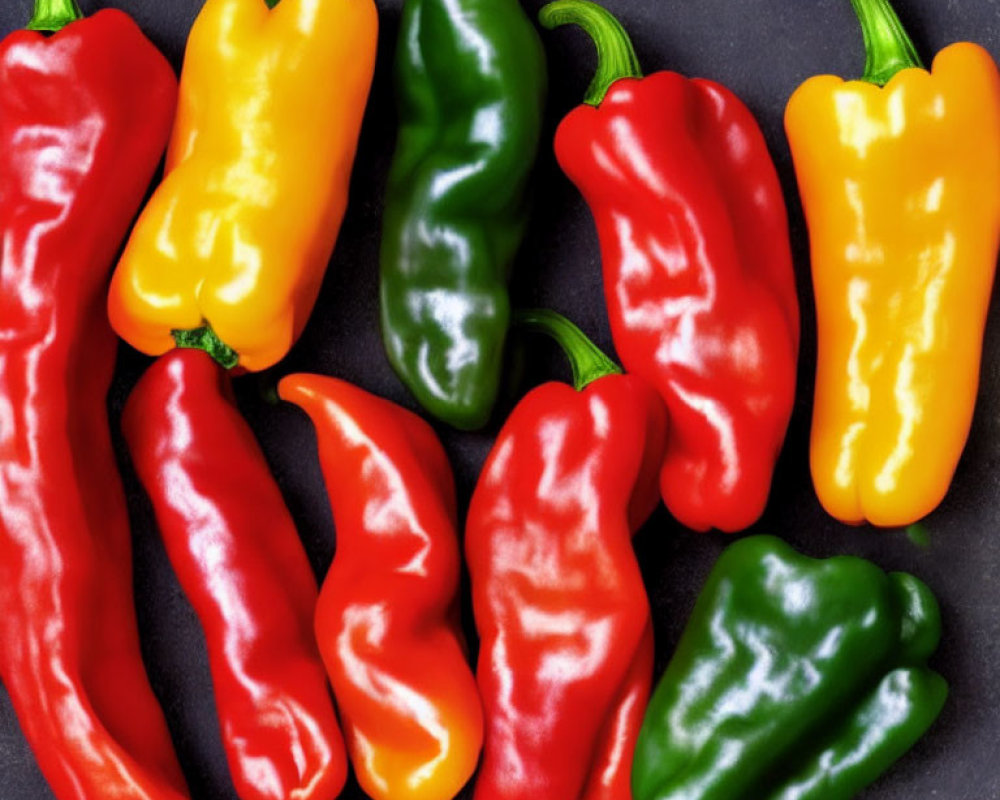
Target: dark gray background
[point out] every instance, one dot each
(762, 49)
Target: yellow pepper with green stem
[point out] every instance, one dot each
(230, 252)
(900, 180)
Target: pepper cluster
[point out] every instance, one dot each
(795, 679)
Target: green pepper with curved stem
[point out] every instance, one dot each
(796, 679)
(471, 84)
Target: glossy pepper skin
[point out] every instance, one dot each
(232, 247)
(84, 119)
(566, 654)
(387, 620)
(240, 562)
(795, 679)
(697, 268)
(470, 82)
(901, 188)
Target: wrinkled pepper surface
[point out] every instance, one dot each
(470, 82)
(230, 251)
(84, 119)
(795, 679)
(387, 620)
(697, 267)
(900, 181)
(566, 655)
(237, 554)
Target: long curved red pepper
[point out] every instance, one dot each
(239, 559)
(697, 267)
(84, 119)
(387, 619)
(566, 655)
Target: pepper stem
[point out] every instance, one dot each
(586, 359)
(205, 338)
(54, 15)
(272, 3)
(616, 58)
(887, 44)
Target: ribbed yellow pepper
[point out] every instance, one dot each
(901, 189)
(233, 245)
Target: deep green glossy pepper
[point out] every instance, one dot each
(470, 82)
(795, 679)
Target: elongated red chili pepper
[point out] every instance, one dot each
(84, 119)
(387, 619)
(697, 267)
(566, 656)
(239, 559)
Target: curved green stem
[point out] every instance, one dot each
(616, 57)
(54, 15)
(206, 339)
(586, 359)
(887, 44)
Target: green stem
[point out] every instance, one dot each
(585, 358)
(206, 339)
(54, 15)
(616, 58)
(887, 44)
(272, 3)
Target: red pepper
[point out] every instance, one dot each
(84, 119)
(697, 267)
(239, 559)
(387, 620)
(566, 656)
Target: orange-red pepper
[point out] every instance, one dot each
(387, 619)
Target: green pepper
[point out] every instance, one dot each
(795, 679)
(471, 83)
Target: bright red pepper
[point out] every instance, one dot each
(84, 119)
(697, 267)
(566, 656)
(387, 620)
(239, 559)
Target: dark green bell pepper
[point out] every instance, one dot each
(471, 83)
(795, 679)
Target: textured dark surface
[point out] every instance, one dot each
(762, 49)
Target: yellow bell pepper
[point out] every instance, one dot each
(900, 180)
(230, 251)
